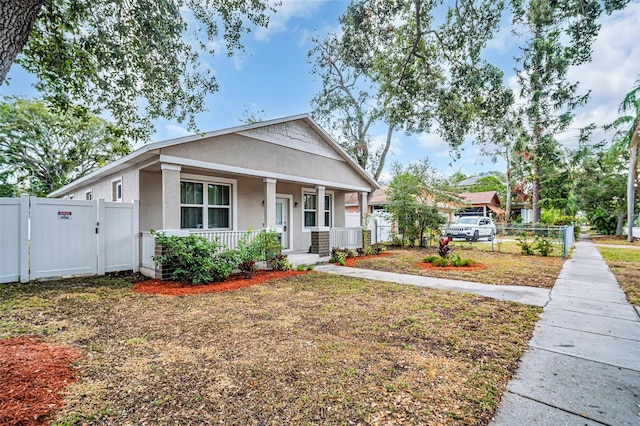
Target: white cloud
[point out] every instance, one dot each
(614, 67)
(175, 131)
(434, 144)
(287, 10)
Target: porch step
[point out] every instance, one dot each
(303, 258)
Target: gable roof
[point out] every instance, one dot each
(148, 151)
(486, 197)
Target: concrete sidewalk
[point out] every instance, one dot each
(583, 366)
(527, 295)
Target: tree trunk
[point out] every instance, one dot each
(536, 197)
(383, 156)
(619, 224)
(16, 21)
(633, 161)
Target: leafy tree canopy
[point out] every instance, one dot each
(42, 149)
(138, 60)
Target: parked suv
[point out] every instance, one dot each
(472, 228)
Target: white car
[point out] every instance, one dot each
(472, 228)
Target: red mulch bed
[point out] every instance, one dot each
(431, 266)
(352, 260)
(32, 376)
(235, 281)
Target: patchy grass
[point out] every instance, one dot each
(501, 268)
(625, 264)
(310, 349)
(618, 240)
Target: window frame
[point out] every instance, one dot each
(88, 194)
(206, 181)
(115, 184)
(331, 211)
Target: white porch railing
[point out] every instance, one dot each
(228, 238)
(345, 237)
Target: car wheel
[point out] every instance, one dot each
(475, 237)
(491, 236)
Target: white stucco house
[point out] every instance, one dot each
(285, 173)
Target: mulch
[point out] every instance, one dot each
(431, 266)
(32, 376)
(234, 282)
(351, 261)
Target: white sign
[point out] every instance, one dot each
(64, 215)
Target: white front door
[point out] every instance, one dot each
(282, 220)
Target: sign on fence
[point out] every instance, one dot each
(44, 237)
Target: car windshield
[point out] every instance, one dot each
(468, 220)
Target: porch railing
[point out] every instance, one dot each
(345, 237)
(228, 238)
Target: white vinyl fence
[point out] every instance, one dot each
(44, 237)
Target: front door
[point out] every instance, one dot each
(282, 220)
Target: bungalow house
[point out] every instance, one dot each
(485, 203)
(287, 174)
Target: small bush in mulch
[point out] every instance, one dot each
(235, 281)
(351, 261)
(32, 375)
(452, 261)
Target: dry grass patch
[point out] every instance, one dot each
(501, 268)
(625, 264)
(311, 349)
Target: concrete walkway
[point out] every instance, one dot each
(583, 366)
(528, 295)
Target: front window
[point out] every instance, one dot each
(196, 203)
(327, 210)
(311, 211)
(309, 205)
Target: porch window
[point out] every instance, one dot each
(196, 203)
(219, 205)
(327, 210)
(310, 211)
(309, 205)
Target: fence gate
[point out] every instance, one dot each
(42, 237)
(63, 237)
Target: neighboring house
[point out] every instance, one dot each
(482, 204)
(286, 173)
(378, 200)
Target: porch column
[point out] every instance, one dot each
(364, 207)
(269, 202)
(320, 206)
(170, 196)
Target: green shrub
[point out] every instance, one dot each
(429, 259)
(192, 258)
(526, 246)
(300, 268)
(262, 247)
(340, 257)
(280, 262)
(544, 245)
(310, 268)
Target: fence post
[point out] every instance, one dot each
(101, 230)
(24, 238)
(135, 219)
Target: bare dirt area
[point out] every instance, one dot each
(500, 268)
(33, 376)
(304, 349)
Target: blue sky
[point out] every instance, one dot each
(273, 75)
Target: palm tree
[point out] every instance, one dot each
(630, 138)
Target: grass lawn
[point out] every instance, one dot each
(501, 268)
(625, 264)
(310, 349)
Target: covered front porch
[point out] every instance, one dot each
(352, 238)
